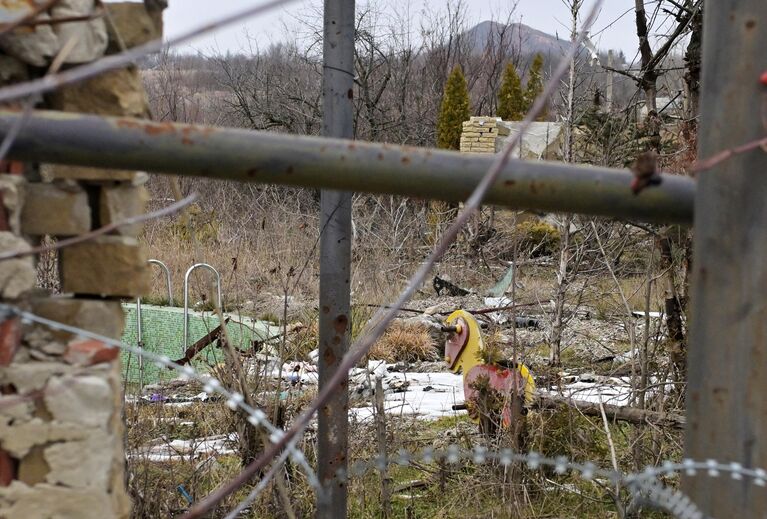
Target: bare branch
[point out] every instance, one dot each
(726, 154)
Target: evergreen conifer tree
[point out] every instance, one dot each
(511, 102)
(535, 86)
(454, 111)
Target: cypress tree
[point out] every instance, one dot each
(453, 111)
(511, 103)
(535, 85)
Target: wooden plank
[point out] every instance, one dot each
(727, 390)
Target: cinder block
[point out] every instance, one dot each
(55, 209)
(107, 266)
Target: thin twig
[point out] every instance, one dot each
(101, 230)
(720, 157)
(73, 75)
(362, 345)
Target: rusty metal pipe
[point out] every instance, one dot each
(314, 162)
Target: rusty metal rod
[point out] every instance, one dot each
(314, 162)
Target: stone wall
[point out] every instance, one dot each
(61, 431)
(479, 135)
(542, 140)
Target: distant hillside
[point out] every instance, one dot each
(523, 37)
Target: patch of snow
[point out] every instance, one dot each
(428, 395)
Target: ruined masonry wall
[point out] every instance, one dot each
(61, 431)
(480, 135)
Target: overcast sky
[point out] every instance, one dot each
(614, 27)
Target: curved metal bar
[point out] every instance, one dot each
(139, 331)
(167, 278)
(186, 295)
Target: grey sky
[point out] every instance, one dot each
(613, 29)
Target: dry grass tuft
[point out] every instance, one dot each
(406, 342)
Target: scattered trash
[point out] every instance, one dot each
(185, 494)
(441, 284)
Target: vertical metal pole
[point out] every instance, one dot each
(335, 259)
(727, 366)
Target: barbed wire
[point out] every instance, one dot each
(644, 486)
(210, 384)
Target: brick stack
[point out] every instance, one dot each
(61, 444)
(480, 135)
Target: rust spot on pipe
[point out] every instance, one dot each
(289, 170)
(510, 183)
(406, 160)
(340, 324)
(350, 94)
(329, 357)
(148, 128)
(750, 24)
(325, 310)
(380, 156)
(252, 172)
(534, 188)
(159, 129)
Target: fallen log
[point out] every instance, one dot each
(613, 412)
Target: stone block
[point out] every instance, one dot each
(90, 37)
(10, 338)
(52, 172)
(133, 23)
(117, 92)
(20, 501)
(84, 400)
(17, 276)
(32, 376)
(12, 192)
(106, 266)
(97, 316)
(12, 70)
(90, 352)
(33, 468)
(34, 46)
(22, 436)
(120, 202)
(81, 464)
(55, 209)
